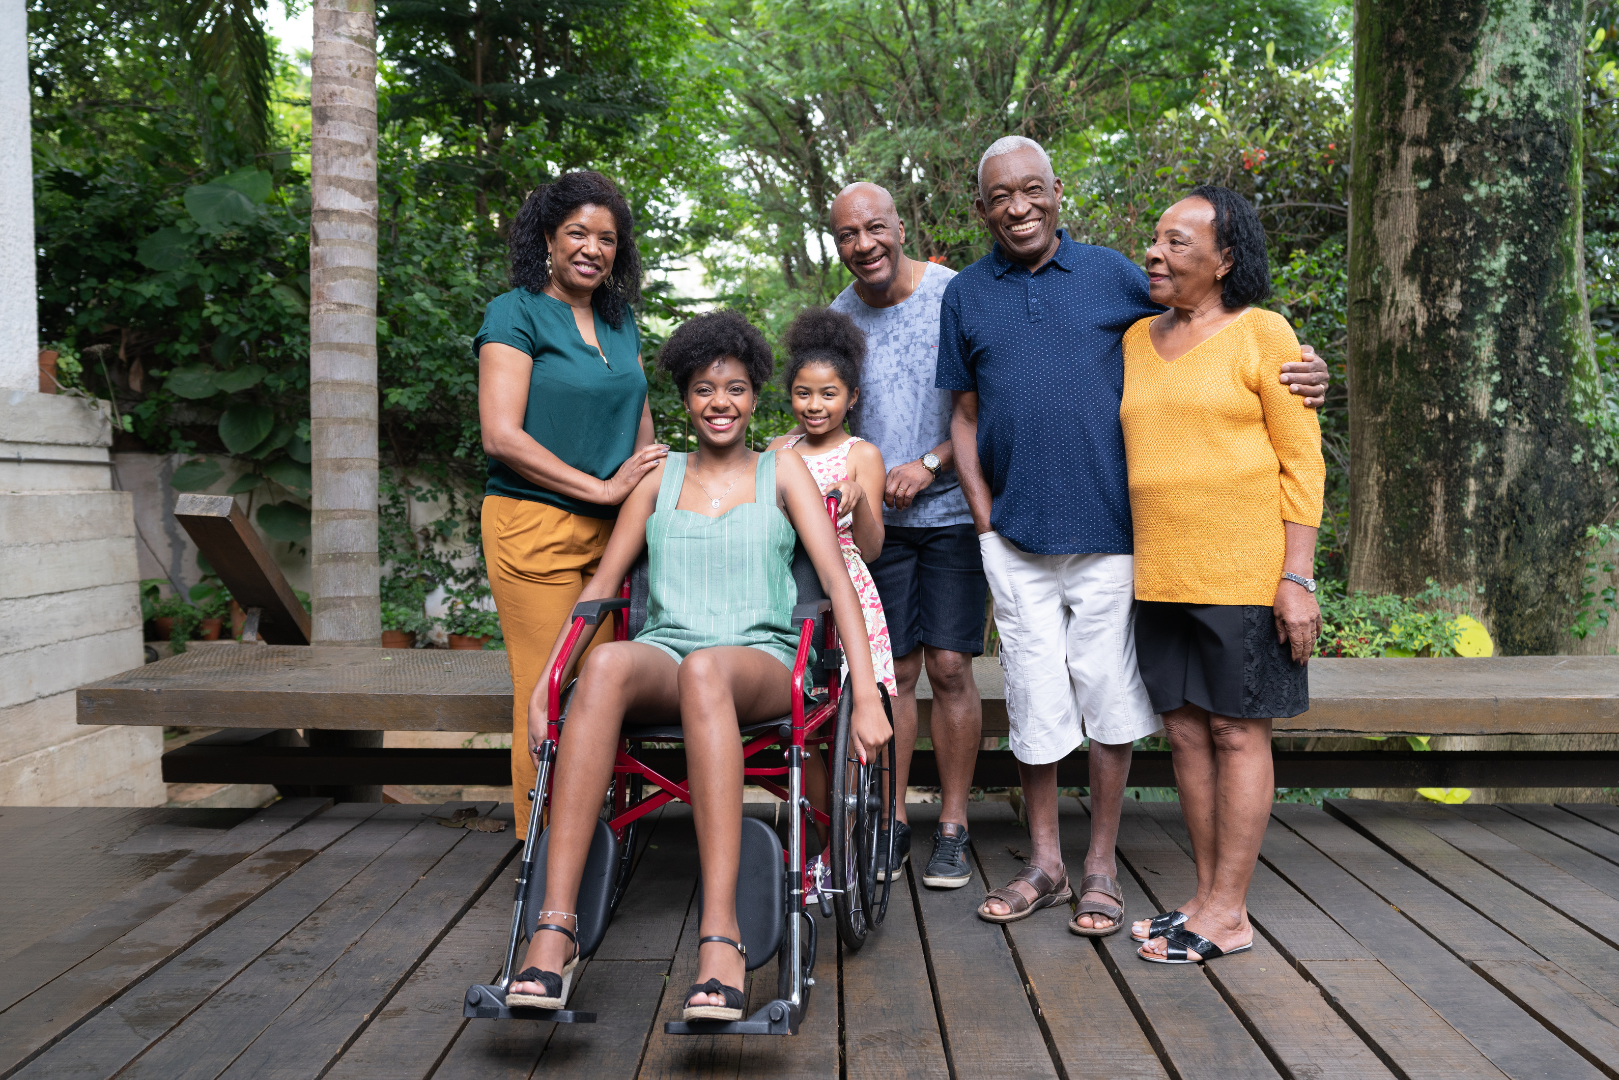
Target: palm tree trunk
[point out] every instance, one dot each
(342, 324)
(343, 341)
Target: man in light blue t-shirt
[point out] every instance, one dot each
(930, 575)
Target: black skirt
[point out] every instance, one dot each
(1221, 657)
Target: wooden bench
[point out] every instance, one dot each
(264, 694)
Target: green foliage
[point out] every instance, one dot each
(1599, 599)
(414, 561)
(1359, 625)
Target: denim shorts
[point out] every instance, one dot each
(931, 582)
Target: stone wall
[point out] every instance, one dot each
(69, 609)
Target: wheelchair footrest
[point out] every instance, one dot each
(778, 1017)
(489, 1003)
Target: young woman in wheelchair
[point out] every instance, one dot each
(716, 652)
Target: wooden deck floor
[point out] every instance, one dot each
(1395, 941)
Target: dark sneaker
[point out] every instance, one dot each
(948, 868)
(902, 851)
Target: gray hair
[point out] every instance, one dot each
(1008, 144)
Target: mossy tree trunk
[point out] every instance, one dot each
(1469, 335)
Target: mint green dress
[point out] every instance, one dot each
(720, 581)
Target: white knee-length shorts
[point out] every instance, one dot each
(1068, 649)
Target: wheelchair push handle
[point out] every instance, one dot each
(592, 610)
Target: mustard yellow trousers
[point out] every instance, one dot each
(540, 559)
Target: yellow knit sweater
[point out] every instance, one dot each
(1220, 454)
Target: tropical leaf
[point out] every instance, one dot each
(239, 379)
(218, 207)
(245, 482)
(230, 58)
(290, 474)
(244, 426)
(292, 298)
(166, 249)
(285, 521)
(255, 183)
(298, 449)
(194, 382)
(280, 435)
(196, 475)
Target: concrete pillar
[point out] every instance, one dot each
(69, 593)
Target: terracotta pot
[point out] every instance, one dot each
(210, 629)
(237, 618)
(165, 627)
(463, 641)
(399, 639)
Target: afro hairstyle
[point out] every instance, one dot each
(824, 336)
(699, 342)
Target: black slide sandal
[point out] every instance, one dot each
(732, 1009)
(1161, 924)
(1185, 947)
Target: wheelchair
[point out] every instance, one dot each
(771, 909)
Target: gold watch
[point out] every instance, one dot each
(931, 462)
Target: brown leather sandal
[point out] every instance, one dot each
(1019, 906)
(1106, 885)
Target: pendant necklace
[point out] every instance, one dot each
(712, 501)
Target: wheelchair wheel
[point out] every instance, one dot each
(857, 804)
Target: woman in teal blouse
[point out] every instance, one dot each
(563, 407)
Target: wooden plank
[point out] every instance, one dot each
(1190, 1023)
(1298, 1028)
(1380, 1009)
(57, 875)
(1389, 1016)
(1577, 862)
(207, 1041)
(331, 687)
(1339, 869)
(307, 1038)
(146, 1012)
(1464, 931)
(1602, 814)
(813, 1054)
(989, 1026)
(624, 994)
(890, 1022)
(707, 1056)
(222, 533)
(43, 1017)
(1589, 1022)
(42, 961)
(648, 921)
(1089, 1022)
(411, 1032)
(1576, 830)
(1415, 835)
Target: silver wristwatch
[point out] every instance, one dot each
(1307, 582)
(931, 462)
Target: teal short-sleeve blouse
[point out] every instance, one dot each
(583, 409)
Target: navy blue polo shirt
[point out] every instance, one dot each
(1045, 353)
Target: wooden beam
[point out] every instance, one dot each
(227, 540)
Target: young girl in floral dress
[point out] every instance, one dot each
(825, 351)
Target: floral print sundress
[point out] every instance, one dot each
(831, 469)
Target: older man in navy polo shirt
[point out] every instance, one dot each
(1030, 341)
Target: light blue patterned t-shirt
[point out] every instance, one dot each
(900, 409)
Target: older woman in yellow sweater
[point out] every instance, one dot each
(1226, 479)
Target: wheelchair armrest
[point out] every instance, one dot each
(808, 610)
(592, 610)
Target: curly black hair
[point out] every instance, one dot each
(543, 213)
(1237, 227)
(824, 336)
(698, 342)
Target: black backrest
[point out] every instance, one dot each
(804, 576)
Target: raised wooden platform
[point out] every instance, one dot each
(307, 941)
(278, 686)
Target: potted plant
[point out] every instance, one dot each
(470, 626)
(213, 601)
(171, 617)
(402, 622)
